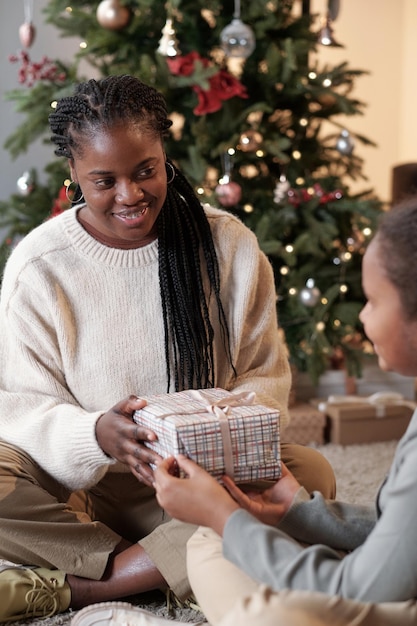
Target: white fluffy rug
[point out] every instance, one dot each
(359, 471)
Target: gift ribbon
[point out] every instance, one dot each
(220, 409)
(380, 400)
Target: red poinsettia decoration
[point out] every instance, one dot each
(221, 84)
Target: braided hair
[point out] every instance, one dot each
(184, 234)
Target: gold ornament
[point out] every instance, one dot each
(112, 15)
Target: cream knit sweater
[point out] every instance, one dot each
(81, 328)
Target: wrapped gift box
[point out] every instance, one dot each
(306, 425)
(226, 433)
(356, 419)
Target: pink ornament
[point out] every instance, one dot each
(229, 194)
(27, 34)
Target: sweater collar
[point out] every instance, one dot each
(89, 246)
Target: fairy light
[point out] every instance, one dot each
(324, 301)
(289, 249)
(248, 208)
(284, 271)
(312, 75)
(320, 326)
(303, 121)
(296, 155)
(54, 104)
(292, 291)
(200, 191)
(327, 82)
(337, 323)
(343, 289)
(367, 231)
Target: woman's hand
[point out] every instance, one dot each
(271, 505)
(122, 439)
(198, 499)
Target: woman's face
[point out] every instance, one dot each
(393, 335)
(121, 172)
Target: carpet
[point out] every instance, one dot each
(359, 470)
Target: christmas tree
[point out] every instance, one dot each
(256, 129)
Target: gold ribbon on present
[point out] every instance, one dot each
(221, 408)
(380, 400)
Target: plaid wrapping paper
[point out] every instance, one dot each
(223, 432)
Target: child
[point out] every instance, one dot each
(269, 576)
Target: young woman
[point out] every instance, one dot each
(138, 289)
(283, 545)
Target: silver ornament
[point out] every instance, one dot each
(281, 189)
(24, 184)
(345, 143)
(310, 295)
(168, 44)
(237, 39)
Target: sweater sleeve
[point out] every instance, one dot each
(38, 411)
(383, 568)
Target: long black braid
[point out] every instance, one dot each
(184, 235)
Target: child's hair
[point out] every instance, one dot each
(183, 228)
(397, 240)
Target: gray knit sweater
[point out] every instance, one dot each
(381, 565)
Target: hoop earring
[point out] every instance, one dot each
(170, 172)
(73, 200)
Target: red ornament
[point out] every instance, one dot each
(229, 194)
(27, 34)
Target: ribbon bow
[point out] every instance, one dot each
(221, 408)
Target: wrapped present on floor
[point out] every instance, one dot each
(306, 426)
(224, 432)
(382, 416)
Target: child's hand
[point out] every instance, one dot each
(198, 499)
(268, 506)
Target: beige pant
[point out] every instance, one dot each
(228, 597)
(43, 524)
